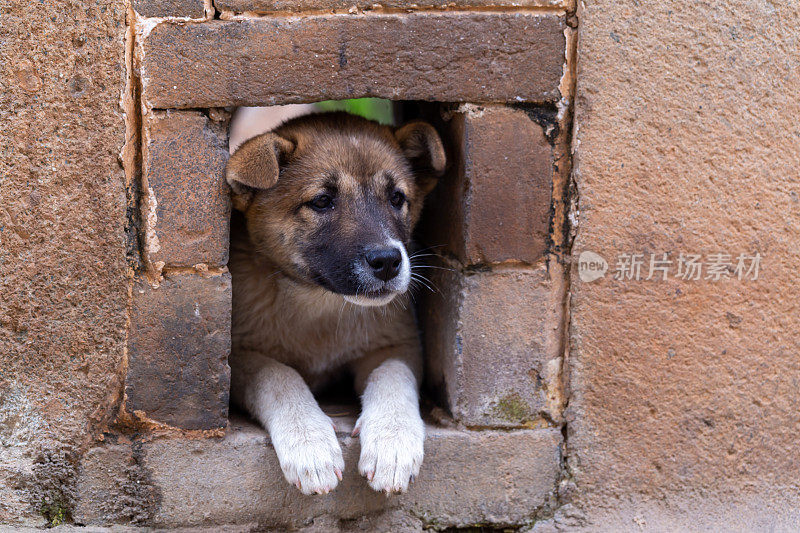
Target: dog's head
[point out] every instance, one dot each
(332, 199)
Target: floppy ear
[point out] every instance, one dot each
(255, 165)
(423, 148)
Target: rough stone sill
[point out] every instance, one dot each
(468, 477)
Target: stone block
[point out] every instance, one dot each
(170, 8)
(178, 350)
(494, 204)
(492, 343)
(186, 205)
(271, 6)
(468, 477)
(455, 56)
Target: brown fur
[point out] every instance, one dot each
(312, 148)
(297, 269)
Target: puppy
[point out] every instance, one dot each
(320, 279)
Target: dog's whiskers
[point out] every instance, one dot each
(435, 267)
(424, 281)
(426, 249)
(417, 256)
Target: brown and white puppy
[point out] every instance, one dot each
(320, 275)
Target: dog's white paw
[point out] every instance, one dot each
(391, 449)
(308, 451)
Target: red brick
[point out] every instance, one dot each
(492, 344)
(495, 203)
(170, 8)
(269, 6)
(178, 350)
(454, 56)
(185, 155)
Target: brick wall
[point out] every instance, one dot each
(493, 329)
(682, 411)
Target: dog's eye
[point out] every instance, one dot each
(321, 202)
(398, 199)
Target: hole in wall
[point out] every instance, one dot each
(338, 398)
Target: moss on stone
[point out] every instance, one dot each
(55, 513)
(512, 408)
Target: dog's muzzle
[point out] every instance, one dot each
(383, 272)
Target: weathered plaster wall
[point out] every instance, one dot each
(63, 288)
(685, 394)
(684, 397)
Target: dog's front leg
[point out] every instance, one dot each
(390, 426)
(303, 436)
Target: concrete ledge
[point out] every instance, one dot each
(469, 477)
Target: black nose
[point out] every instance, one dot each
(385, 262)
